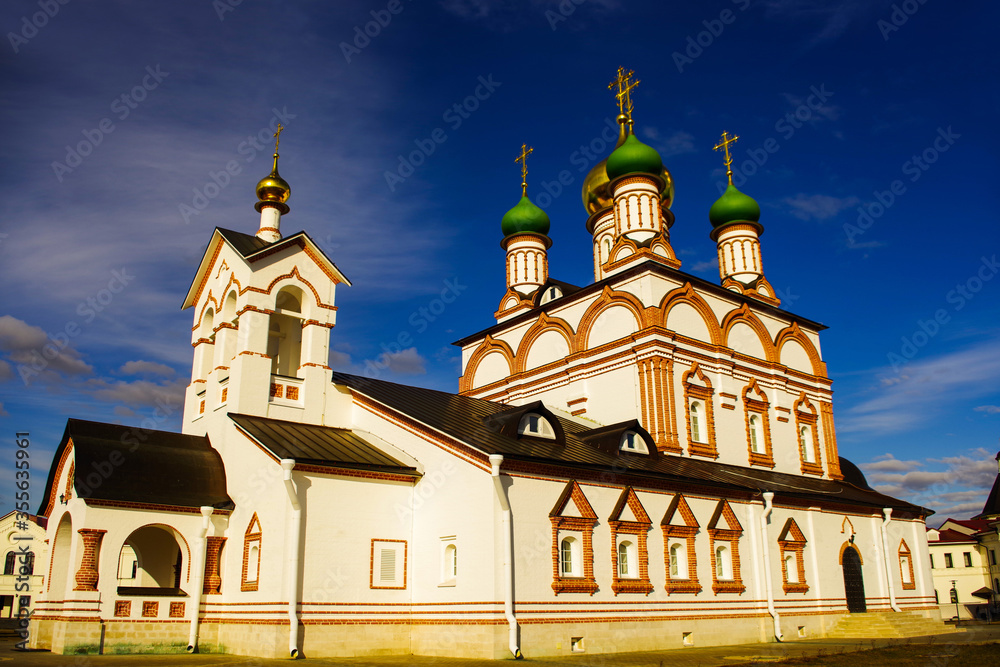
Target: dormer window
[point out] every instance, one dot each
(551, 294)
(536, 425)
(633, 442)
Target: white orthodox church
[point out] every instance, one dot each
(645, 462)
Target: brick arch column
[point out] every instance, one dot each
(213, 576)
(87, 576)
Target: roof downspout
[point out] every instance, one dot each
(887, 516)
(765, 518)
(293, 558)
(508, 555)
(199, 577)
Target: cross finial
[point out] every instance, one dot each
(277, 136)
(724, 146)
(624, 83)
(523, 159)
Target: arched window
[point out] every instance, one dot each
(791, 568)
(723, 564)
(696, 419)
(623, 568)
(569, 557)
(536, 425)
(207, 331)
(253, 563)
(9, 562)
(756, 441)
(284, 344)
(551, 294)
(805, 443)
(633, 442)
(678, 561)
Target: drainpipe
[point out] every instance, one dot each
(293, 559)
(199, 577)
(508, 555)
(887, 514)
(764, 520)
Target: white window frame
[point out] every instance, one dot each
(791, 568)
(629, 569)
(723, 562)
(756, 435)
(697, 415)
(806, 443)
(536, 425)
(633, 442)
(678, 560)
(575, 554)
(399, 574)
(449, 561)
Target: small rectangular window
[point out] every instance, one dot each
(932, 561)
(993, 557)
(968, 559)
(947, 561)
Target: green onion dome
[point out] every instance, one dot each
(525, 217)
(733, 206)
(632, 157)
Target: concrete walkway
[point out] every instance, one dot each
(687, 657)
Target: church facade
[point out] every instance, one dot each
(645, 462)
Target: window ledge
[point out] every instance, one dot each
(447, 584)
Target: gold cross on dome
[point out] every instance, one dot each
(277, 136)
(724, 146)
(523, 159)
(623, 81)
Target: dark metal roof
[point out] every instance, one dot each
(319, 445)
(654, 267)
(992, 506)
(853, 474)
(131, 464)
(245, 244)
(465, 419)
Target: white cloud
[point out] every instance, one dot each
(145, 368)
(404, 362)
(705, 266)
(140, 393)
(818, 207)
(923, 389)
(989, 409)
(35, 354)
(889, 463)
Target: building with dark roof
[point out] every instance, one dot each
(640, 463)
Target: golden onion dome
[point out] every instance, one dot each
(273, 188)
(597, 195)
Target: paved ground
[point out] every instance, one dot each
(688, 657)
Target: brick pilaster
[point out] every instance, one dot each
(87, 576)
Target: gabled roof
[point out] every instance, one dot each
(319, 445)
(952, 536)
(464, 418)
(251, 249)
(142, 466)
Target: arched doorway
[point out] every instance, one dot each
(60, 567)
(153, 557)
(854, 582)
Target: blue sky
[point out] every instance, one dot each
(866, 136)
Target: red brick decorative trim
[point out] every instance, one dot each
(176, 610)
(702, 392)
(51, 501)
(371, 566)
(792, 541)
(583, 524)
(681, 531)
(755, 403)
(252, 537)
(639, 528)
(731, 535)
(907, 568)
(213, 561)
(123, 608)
(806, 415)
(150, 608)
(87, 576)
